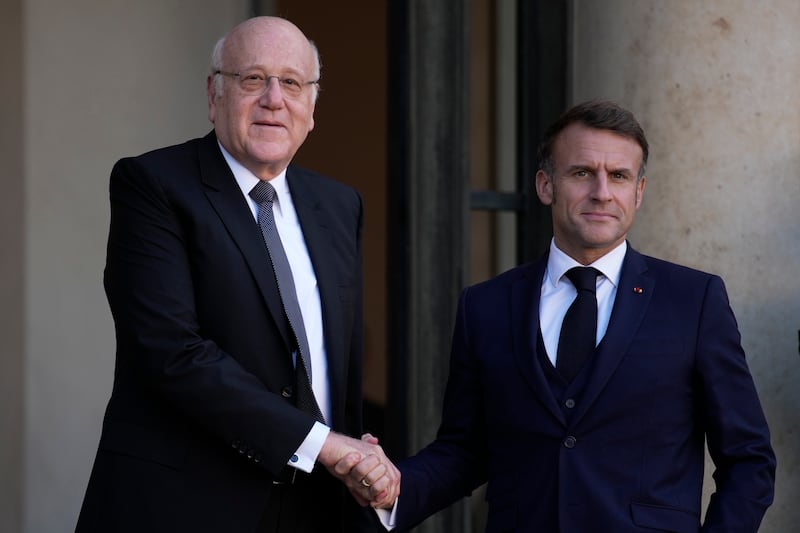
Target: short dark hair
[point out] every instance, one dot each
(599, 114)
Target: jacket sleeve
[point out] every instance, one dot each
(454, 464)
(736, 429)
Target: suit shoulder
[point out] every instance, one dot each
(319, 180)
(162, 165)
(664, 266)
(331, 191)
(165, 156)
(505, 279)
(171, 173)
(681, 277)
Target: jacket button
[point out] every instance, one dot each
(287, 391)
(570, 403)
(235, 444)
(570, 442)
(250, 454)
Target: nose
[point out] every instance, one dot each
(600, 190)
(272, 97)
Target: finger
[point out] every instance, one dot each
(378, 500)
(378, 488)
(388, 504)
(368, 478)
(361, 493)
(381, 480)
(374, 472)
(363, 469)
(369, 438)
(391, 483)
(383, 499)
(359, 499)
(346, 463)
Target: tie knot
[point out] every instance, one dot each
(262, 192)
(584, 278)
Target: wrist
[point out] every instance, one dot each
(330, 452)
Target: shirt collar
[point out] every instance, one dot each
(247, 180)
(610, 265)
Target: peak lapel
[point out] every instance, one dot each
(525, 317)
(230, 205)
(316, 232)
(633, 296)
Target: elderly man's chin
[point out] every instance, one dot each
(266, 151)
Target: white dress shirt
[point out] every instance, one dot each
(305, 282)
(558, 293)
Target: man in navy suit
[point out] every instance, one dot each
(204, 431)
(619, 446)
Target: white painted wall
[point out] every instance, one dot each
(714, 84)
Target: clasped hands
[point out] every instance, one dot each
(363, 467)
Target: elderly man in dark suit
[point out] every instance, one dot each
(587, 403)
(234, 280)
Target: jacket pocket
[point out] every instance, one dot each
(147, 443)
(665, 518)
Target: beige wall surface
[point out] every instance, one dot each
(12, 265)
(715, 86)
(103, 79)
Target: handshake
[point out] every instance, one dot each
(363, 467)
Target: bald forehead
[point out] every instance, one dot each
(268, 42)
(264, 26)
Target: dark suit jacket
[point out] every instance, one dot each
(202, 415)
(627, 453)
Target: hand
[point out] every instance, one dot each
(363, 467)
(363, 471)
(362, 475)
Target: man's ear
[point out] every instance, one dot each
(211, 94)
(544, 187)
(640, 191)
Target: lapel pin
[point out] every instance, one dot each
(638, 290)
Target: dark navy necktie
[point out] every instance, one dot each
(576, 342)
(264, 193)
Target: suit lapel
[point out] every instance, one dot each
(315, 225)
(525, 293)
(633, 296)
(226, 198)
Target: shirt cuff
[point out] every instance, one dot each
(388, 518)
(306, 455)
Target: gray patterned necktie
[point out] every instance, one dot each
(264, 193)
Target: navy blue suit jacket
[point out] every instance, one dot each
(202, 416)
(627, 453)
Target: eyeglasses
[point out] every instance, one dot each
(255, 83)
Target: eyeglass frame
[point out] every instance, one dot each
(238, 75)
